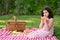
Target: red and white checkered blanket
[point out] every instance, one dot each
(7, 35)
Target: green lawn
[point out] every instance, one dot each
(33, 21)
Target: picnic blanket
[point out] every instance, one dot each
(7, 35)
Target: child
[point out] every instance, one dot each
(46, 26)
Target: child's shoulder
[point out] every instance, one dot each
(51, 19)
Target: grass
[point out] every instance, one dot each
(32, 21)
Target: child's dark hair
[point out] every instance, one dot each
(50, 12)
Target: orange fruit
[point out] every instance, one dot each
(43, 18)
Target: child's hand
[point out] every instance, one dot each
(46, 21)
(42, 19)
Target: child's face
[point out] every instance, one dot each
(45, 13)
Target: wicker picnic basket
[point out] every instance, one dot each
(15, 25)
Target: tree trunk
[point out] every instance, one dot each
(17, 7)
(6, 7)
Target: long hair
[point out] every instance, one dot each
(50, 12)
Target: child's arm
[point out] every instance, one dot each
(50, 25)
(41, 24)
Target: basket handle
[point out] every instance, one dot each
(14, 18)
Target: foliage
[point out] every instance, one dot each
(27, 7)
